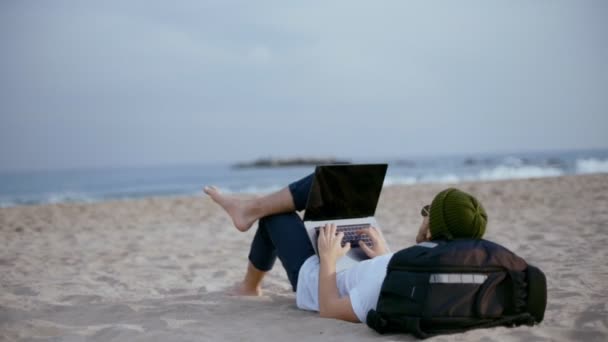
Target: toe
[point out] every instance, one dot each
(209, 189)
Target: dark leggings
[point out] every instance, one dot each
(284, 235)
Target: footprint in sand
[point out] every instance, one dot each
(111, 281)
(219, 274)
(23, 291)
(197, 266)
(593, 317)
(81, 299)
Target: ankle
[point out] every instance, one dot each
(247, 289)
(253, 209)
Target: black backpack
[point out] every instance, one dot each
(444, 287)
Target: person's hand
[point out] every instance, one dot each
(330, 243)
(378, 248)
(424, 232)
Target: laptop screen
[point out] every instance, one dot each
(344, 191)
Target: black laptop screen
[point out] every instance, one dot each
(344, 191)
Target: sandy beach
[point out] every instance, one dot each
(156, 269)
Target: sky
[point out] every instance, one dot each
(127, 83)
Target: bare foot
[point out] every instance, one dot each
(240, 289)
(239, 210)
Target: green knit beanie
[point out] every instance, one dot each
(457, 214)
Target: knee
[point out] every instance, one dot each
(279, 220)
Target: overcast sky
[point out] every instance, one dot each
(115, 83)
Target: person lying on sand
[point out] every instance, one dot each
(347, 295)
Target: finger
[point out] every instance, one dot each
(340, 237)
(346, 248)
(373, 231)
(326, 231)
(367, 231)
(368, 251)
(363, 231)
(373, 235)
(333, 229)
(321, 237)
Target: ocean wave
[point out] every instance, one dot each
(591, 165)
(512, 161)
(512, 172)
(399, 180)
(49, 198)
(500, 172)
(440, 171)
(7, 203)
(70, 197)
(447, 178)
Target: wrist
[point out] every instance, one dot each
(328, 264)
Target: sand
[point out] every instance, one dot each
(157, 269)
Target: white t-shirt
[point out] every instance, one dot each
(361, 282)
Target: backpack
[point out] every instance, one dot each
(444, 287)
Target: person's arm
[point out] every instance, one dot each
(331, 305)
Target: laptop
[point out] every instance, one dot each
(346, 195)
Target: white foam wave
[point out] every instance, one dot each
(591, 165)
(48, 198)
(7, 204)
(408, 180)
(442, 179)
(68, 196)
(513, 161)
(399, 180)
(511, 172)
(509, 168)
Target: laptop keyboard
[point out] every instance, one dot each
(350, 234)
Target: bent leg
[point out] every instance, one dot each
(252, 284)
(283, 236)
(263, 252)
(262, 256)
(299, 191)
(244, 212)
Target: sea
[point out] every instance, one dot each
(100, 184)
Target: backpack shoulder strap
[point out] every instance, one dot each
(537, 293)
